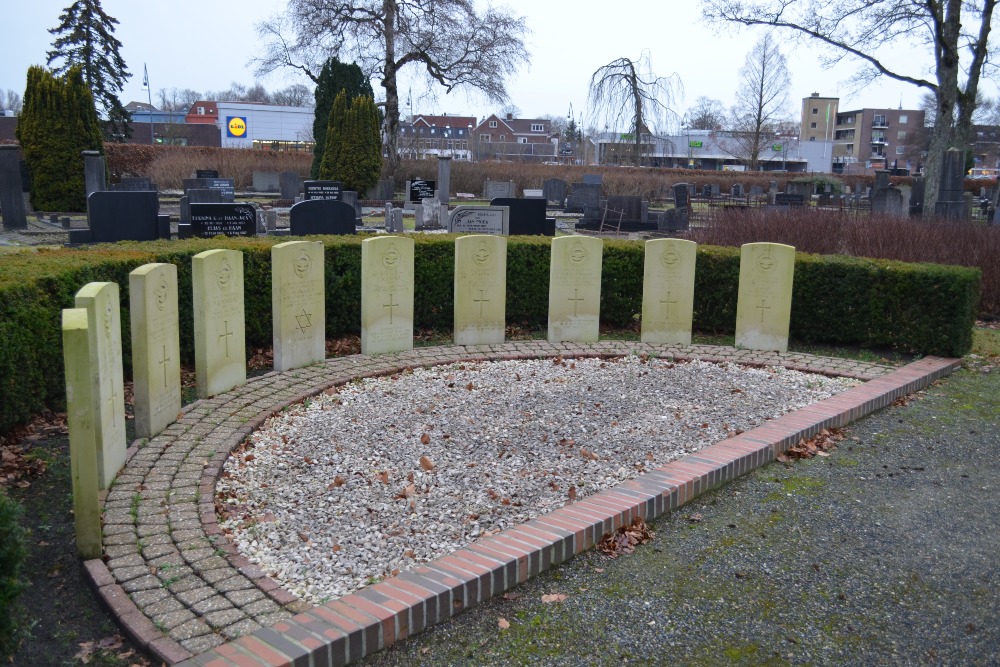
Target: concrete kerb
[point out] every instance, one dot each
(289, 630)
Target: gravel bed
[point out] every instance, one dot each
(385, 473)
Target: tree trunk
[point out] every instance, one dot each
(948, 29)
(391, 91)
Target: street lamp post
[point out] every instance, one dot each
(149, 96)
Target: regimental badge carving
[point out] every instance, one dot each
(224, 275)
(669, 257)
(390, 258)
(482, 254)
(161, 292)
(764, 261)
(303, 264)
(577, 253)
(109, 317)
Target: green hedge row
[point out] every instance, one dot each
(922, 308)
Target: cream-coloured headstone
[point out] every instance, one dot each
(764, 306)
(104, 326)
(82, 421)
(575, 289)
(219, 321)
(298, 308)
(156, 366)
(480, 289)
(386, 295)
(668, 291)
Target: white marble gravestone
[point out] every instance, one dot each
(480, 289)
(297, 302)
(83, 420)
(219, 321)
(764, 306)
(386, 295)
(156, 369)
(105, 331)
(575, 289)
(668, 291)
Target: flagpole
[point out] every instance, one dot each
(149, 96)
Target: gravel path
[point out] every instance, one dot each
(883, 553)
(383, 474)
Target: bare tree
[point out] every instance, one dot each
(706, 114)
(626, 93)
(761, 102)
(11, 101)
(957, 32)
(453, 42)
(296, 95)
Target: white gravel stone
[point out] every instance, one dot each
(385, 473)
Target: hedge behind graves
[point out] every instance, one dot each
(920, 308)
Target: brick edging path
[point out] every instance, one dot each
(179, 588)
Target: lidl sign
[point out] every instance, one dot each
(236, 126)
(694, 144)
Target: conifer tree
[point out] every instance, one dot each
(333, 78)
(58, 122)
(85, 37)
(334, 137)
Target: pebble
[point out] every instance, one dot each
(382, 474)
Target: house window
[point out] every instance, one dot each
(815, 111)
(902, 118)
(812, 125)
(201, 111)
(536, 127)
(484, 137)
(901, 135)
(900, 150)
(503, 137)
(812, 138)
(493, 123)
(522, 140)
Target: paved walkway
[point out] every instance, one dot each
(179, 588)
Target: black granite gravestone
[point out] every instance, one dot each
(420, 190)
(527, 217)
(121, 216)
(321, 216)
(208, 220)
(322, 190)
(206, 173)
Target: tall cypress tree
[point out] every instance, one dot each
(85, 37)
(333, 78)
(357, 160)
(334, 139)
(58, 122)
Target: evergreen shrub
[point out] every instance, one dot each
(12, 555)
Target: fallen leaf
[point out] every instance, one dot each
(511, 596)
(572, 494)
(383, 477)
(425, 439)
(553, 597)
(337, 482)
(425, 462)
(695, 518)
(625, 539)
(425, 650)
(469, 386)
(503, 624)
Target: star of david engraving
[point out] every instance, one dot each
(303, 321)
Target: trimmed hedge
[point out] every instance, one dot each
(13, 551)
(921, 308)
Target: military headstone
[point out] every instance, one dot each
(575, 289)
(668, 291)
(156, 371)
(297, 302)
(386, 294)
(480, 289)
(479, 220)
(321, 216)
(764, 303)
(100, 300)
(219, 321)
(82, 379)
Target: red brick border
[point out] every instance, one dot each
(368, 620)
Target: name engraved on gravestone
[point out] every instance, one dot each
(208, 220)
(225, 186)
(668, 291)
(323, 190)
(480, 289)
(155, 347)
(575, 289)
(764, 305)
(386, 294)
(479, 220)
(298, 310)
(421, 189)
(219, 321)
(206, 173)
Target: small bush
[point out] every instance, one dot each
(12, 555)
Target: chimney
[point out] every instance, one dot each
(815, 94)
(510, 116)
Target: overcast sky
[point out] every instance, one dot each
(206, 45)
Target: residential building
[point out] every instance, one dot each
(425, 135)
(818, 117)
(256, 125)
(515, 139)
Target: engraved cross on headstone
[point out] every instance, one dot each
(226, 334)
(576, 298)
(668, 303)
(163, 362)
(481, 300)
(390, 306)
(762, 308)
